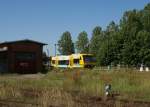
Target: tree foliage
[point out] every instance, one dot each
(95, 40)
(82, 44)
(65, 44)
(127, 42)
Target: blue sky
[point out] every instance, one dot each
(46, 20)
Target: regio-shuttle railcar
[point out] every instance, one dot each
(73, 61)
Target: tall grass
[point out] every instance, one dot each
(63, 87)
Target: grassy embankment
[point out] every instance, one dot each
(61, 87)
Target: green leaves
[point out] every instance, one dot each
(125, 43)
(95, 40)
(135, 32)
(82, 44)
(65, 44)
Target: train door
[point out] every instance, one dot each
(70, 62)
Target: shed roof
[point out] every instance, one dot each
(25, 40)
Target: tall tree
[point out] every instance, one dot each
(146, 17)
(108, 50)
(111, 33)
(95, 40)
(65, 44)
(128, 43)
(130, 26)
(143, 47)
(82, 44)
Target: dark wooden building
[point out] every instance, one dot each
(23, 56)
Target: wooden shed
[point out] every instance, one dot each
(22, 56)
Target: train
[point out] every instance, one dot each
(73, 61)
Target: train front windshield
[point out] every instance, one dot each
(89, 58)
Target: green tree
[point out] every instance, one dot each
(111, 33)
(95, 40)
(128, 43)
(130, 26)
(143, 47)
(108, 51)
(65, 44)
(82, 43)
(112, 27)
(146, 17)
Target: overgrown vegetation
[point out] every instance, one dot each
(59, 85)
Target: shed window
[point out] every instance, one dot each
(25, 56)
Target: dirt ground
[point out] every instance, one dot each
(91, 102)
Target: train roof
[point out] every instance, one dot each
(62, 57)
(82, 54)
(66, 57)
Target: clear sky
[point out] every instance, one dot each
(46, 20)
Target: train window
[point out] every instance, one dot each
(89, 58)
(76, 61)
(63, 62)
(80, 58)
(53, 61)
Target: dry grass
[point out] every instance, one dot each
(65, 87)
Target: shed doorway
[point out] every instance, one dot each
(25, 62)
(3, 62)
